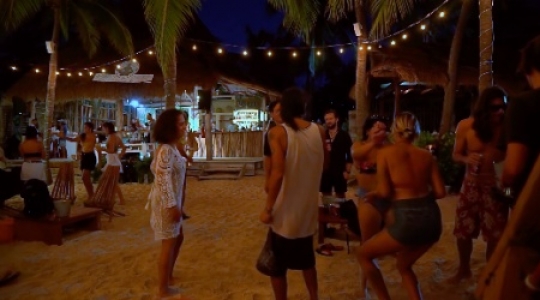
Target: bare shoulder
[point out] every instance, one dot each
(276, 131)
(464, 125)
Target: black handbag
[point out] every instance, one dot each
(267, 263)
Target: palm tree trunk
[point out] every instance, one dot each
(453, 63)
(362, 103)
(486, 45)
(169, 86)
(51, 87)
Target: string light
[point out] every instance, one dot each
(69, 74)
(80, 73)
(402, 34)
(57, 73)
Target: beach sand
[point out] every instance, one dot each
(217, 261)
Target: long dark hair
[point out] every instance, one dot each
(165, 129)
(293, 103)
(368, 124)
(482, 110)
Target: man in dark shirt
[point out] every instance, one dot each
(274, 109)
(521, 127)
(338, 143)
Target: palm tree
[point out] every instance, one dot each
(300, 17)
(168, 21)
(453, 63)
(90, 19)
(486, 45)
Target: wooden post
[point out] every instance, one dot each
(119, 114)
(397, 97)
(209, 134)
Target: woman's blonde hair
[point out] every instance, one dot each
(406, 126)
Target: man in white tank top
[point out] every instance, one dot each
(298, 156)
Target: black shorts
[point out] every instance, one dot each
(333, 180)
(293, 254)
(88, 161)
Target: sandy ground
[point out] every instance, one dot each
(223, 240)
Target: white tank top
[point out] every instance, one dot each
(296, 208)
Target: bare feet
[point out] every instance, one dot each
(460, 276)
(171, 294)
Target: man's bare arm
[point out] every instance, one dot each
(278, 145)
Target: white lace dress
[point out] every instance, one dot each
(169, 169)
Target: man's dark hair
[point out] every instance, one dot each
(530, 57)
(331, 111)
(166, 130)
(109, 126)
(293, 104)
(370, 122)
(482, 112)
(31, 132)
(272, 105)
(89, 125)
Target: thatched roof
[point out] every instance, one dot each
(419, 66)
(190, 73)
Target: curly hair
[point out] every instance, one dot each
(370, 122)
(482, 113)
(165, 129)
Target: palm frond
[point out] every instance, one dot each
(168, 21)
(65, 17)
(300, 16)
(114, 30)
(387, 12)
(82, 16)
(14, 12)
(338, 9)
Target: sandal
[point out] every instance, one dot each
(332, 247)
(322, 250)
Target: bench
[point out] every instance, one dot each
(50, 231)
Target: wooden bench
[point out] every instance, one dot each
(50, 231)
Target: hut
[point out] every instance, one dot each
(80, 98)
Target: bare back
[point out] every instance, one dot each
(406, 171)
(114, 143)
(33, 147)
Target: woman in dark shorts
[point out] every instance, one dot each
(88, 157)
(409, 176)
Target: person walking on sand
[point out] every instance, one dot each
(87, 139)
(168, 195)
(476, 210)
(291, 210)
(114, 142)
(409, 176)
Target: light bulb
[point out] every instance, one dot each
(37, 70)
(57, 73)
(294, 54)
(118, 66)
(361, 48)
(69, 74)
(150, 52)
(103, 70)
(393, 43)
(134, 60)
(80, 73)
(369, 48)
(269, 53)
(423, 27)
(245, 53)
(14, 68)
(441, 14)
(318, 53)
(341, 50)
(219, 50)
(404, 36)
(194, 47)
(90, 73)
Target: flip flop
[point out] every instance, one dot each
(9, 277)
(333, 247)
(324, 251)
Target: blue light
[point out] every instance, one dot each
(134, 103)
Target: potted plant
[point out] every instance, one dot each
(142, 167)
(442, 147)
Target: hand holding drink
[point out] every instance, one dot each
(474, 160)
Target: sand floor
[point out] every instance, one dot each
(223, 240)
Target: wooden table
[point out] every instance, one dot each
(50, 231)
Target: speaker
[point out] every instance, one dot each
(205, 99)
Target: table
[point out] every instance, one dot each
(50, 231)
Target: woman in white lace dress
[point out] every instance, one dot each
(167, 195)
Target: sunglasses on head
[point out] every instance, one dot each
(496, 108)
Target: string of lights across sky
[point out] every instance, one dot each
(220, 48)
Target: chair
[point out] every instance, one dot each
(328, 216)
